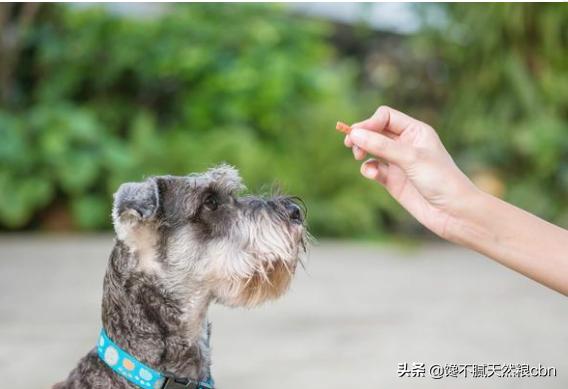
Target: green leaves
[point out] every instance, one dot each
(21, 196)
(109, 99)
(508, 106)
(118, 99)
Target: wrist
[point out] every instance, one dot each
(470, 220)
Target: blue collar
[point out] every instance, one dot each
(139, 374)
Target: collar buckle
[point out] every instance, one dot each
(173, 382)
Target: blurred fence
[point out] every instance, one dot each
(91, 99)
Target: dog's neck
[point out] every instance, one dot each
(152, 325)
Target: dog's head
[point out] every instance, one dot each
(197, 231)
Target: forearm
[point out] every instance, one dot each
(515, 238)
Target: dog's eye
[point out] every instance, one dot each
(211, 202)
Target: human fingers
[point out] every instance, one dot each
(387, 119)
(375, 170)
(358, 153)
(383, 147)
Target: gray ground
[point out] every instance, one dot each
(359, 311)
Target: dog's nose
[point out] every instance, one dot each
(294, 213)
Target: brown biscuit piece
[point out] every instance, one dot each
(342, 127)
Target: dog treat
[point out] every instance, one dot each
(342, 127)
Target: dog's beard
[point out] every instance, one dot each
(269, 283)
(257, 260)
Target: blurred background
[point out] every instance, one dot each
(95, 95)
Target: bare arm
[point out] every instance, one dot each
(418, 172)
(515, 238)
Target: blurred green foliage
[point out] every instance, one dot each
(104, 99)
(505, 97)
(99, 99)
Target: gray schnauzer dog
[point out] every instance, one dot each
(182, 243)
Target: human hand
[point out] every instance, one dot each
(414, 167)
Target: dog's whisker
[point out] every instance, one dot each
(301, 261)
(288, 270)
(264, 274)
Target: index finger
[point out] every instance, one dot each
(387, 119)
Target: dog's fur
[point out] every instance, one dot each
(181, 243)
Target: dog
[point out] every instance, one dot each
(183, 242)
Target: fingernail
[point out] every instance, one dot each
(370, 171)
(357, 135)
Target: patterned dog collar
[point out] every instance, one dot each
(139, 374)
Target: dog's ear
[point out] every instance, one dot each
(135, 213)
(136, 202)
